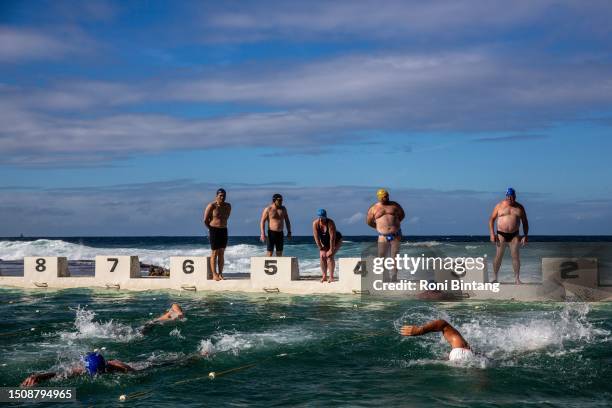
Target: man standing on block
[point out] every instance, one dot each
(386, 216)
(509, 215)
(276, 215)
(215, 219)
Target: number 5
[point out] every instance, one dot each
(270, 267)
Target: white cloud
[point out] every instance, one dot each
(355, 218)
(26, 44)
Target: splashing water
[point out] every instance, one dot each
(87, 328)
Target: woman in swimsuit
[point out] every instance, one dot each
(329, 240)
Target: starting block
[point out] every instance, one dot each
(189, 272)
(112, 271)
(42, 269)
(274, 271)
(578, 276)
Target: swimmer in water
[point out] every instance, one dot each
(174, 313)
(460, 348)
(93, 363)
(386, 217)
(328, 240)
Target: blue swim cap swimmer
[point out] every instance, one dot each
(94, 363)
(510, 192)
(321, 213)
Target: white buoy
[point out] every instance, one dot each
(212, 375)
(122, 397)
(32, 329)
(37, 311)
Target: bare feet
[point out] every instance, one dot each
(216, 277)
(221, 277)
(518, 281)
(331, 279)
(324, 278)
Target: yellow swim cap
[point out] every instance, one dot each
(381, 193)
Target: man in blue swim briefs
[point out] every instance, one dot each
(460, 348)
(509, 215)
(276, 215)
(215, 219)
(386, 216)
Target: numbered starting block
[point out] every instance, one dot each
(113, 271)
(189, 272)
(274, 271)
(41, 270)
(354, 273)
(578, 276)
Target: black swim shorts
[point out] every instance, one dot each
(275, 239)
(218, 237)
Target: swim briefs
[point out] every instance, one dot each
(275, 239)
(218, 237)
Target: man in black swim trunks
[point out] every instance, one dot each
(509, 215)
(276, 215)
(215, 219)
(329, 240)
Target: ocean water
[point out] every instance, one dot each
(327, 350)
(309, 350)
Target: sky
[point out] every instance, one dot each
(122, 118)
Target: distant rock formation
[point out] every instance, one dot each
(155, 270)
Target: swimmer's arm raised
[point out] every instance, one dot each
(452, 336)
(433, 326)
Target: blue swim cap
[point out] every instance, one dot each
(94, 363)
(321, 213)
(510, 192)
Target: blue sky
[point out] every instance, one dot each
(122, 118)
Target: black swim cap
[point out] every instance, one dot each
(221, 191)
(276, 197)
